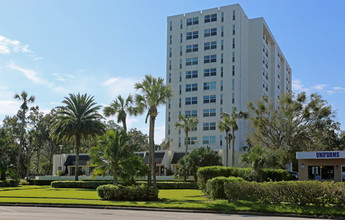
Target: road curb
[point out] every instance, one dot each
(167, 210)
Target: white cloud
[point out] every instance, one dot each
(8, 107)
(339, 88)
(330, 92)
(31, 75)
(319, 87)
(298, 86)
(120, 86)
(8, 46)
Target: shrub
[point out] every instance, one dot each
(173, 185)
(127, 193)
(294, 192)
(215, 186)
(206, 173)
(40, 182)
(8, 183)
(79, 184)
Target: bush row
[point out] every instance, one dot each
(94, 184)
(173, 185)
(79, 184)
(8, 183)
(294, 192)
(215, 186)
(127, 193)
(40, 182)
(206, 173)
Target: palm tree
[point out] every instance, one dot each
(121, 107)
(23, 97)
(112, 148)
(154, 93)
(229, 122)
(78, 119)
(186, 123)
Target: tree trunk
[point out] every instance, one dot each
(3, 175)
(152, 150)
(124, 124)
(186, 143)
(115, 175)
(77, 147)
(28, 158)
(38, 160)
(18, 159)
(233, 148)
(227, 141)
(51, 158)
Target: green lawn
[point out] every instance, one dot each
(182, 199)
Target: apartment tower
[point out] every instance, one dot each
(218, 59)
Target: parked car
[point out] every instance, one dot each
(294, 175)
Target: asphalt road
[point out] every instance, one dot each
(47, 213)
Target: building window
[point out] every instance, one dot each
(221, 85)
(210, 99)
(192, 140)
(181, 37)
(168, 116)
(170, 39)
(233, 70)
(222, 16)
(180, 50)
(209, 112)
(221, 110)
(233, 98)
(191, 100)
(181, 24)
(170, 52)
(168, 129)
(170, 26)
(209, 140)
(180, 76)
(192, 35)
(233, 15)
(169, 104)
(192, 48)
(192, 21)
(192, 61)
(233, 56)
(210, 32)
(233, 43)
(169, 77)
(210, 72)
(209, 126)
(221, 72)
(180, 63)
(222, 32)
(209, 85)
(233, 29)
(233, 84)
(191, 74)
(191, 113)
(169, 64)
(221, 140)
(180, 89)
(210, 59)
(210, 18)
(221, 99)
(222, 45)
(191, 87)
(221, 58)
(210, 45)
(179, 102)
(179, 142)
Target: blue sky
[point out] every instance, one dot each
(52, 48)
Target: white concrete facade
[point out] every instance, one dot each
(218, 59)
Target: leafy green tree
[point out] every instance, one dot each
(25, 99)
(77, 119)
(112, 148)
(227, 124)
(200, 157)
(132, 167)
(186, 123)
(121, 107)
(138, 140)
(299, 124)
(153, 94)
(7, 154)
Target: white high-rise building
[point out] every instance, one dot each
(218, 59)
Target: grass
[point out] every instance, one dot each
(179, 199)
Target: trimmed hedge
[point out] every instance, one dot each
(206, 173)
(8, 183)
(294, 192)
(173, 185)
(40, 182)
(79, 184)
(215, 186)
(127, 193)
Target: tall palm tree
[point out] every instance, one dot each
(78, 119)
(229, 122)
(153, 94)
(25, 99)
(186, 123)
(121, 107)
